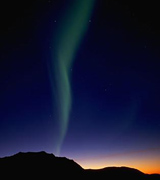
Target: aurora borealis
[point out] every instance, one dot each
(70, 34)
(80, 79)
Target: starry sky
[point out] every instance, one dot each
(112, 106)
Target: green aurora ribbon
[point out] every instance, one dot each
(69, 36)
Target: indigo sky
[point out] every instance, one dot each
(114, 82)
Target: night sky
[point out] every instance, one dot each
(107, 89)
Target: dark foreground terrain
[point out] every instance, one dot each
(48, 166)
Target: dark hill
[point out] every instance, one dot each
(47, 166)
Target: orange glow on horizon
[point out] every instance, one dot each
(145, 161)
(147, 167)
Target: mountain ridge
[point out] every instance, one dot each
(45, 165)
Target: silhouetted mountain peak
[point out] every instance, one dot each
(122, 169)
(32, 154)
(43, 165)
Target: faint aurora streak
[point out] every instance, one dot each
(73, 27)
